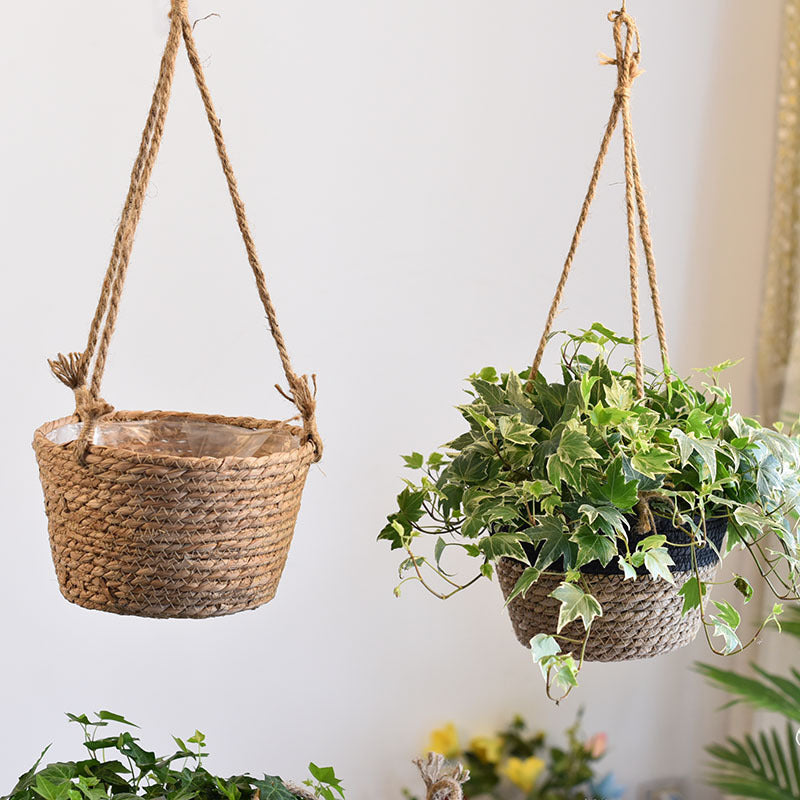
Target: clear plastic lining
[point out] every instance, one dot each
(183, 437)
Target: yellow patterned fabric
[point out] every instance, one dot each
(779, 347)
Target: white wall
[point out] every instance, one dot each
(413, 172)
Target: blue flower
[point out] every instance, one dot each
(606, 789)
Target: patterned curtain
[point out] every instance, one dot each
(779, 347)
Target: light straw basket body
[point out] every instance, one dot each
(641, 618)
(169, 536)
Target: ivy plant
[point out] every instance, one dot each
(580, 468)
(118, 766)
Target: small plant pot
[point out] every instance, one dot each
(642, 618)
(161, 535)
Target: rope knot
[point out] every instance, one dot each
(442, 781)
(179, 7)
(628, 53)
(88, 407)
(305, 399)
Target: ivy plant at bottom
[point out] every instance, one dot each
(117, 765)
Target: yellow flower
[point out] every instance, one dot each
(523, 774)
(445, 741)
(487, 748)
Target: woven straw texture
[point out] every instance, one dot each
(164, 536)
(641, 618)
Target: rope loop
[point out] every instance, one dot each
(627, 45)
(74, 369)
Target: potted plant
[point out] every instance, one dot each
(603, 502)
(517, 763)
(118, 766)
(765, 766)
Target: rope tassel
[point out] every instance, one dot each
(68, 369)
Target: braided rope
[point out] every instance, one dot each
(628, 55)
(73, 369)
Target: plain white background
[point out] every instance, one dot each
(413, 172)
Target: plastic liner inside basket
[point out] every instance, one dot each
(183, 437)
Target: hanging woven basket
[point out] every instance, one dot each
(643, 617)
(170, 514)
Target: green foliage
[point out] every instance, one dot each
(567, 473)
(130, 772)
(766, 766)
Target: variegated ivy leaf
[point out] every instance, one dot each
(725, 625)
(658, 561)
(575, 603)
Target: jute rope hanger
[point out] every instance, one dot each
(628, 54)
(73, 369)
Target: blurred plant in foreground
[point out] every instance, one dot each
(518, 764)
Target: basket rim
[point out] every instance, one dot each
(305, 452)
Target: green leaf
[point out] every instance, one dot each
(488, 374)
(757, 693)
(574, 447)
(658, 561)
(111, 717)
(505, 543)
(618, 491)
(542, 646)
(50, 790)
(743, 586)
(728, 614)
(516, 431)
(692, 591)
(414, 461)
(651, 542)
(575, 603)
(552, 534)
(272, 788)
(653, 463)
(537, 489)
(593, 546)
(601, 416)
(628, 570)
(529, 576)
(469, 467)
(26, 779)
(725, 625)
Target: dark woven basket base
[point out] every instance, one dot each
(641, 618)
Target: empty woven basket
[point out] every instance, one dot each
(152, 532)
(642, 618)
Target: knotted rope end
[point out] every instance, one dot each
(303, 393)
(442, 780)
(68, 368)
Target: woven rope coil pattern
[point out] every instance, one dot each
(641, 618)
(168, 536)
